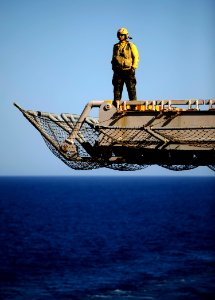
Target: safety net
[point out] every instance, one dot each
(55, 129)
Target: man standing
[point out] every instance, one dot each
(124, 63)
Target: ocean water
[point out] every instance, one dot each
(114, 238)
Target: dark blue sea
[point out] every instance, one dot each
(119, 238)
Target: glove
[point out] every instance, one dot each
(132, 70)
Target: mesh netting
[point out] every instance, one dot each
(193, 136)
(75, 164)
(127, 167)
(139, 137)
(56, 129)
(129, 137)
(179, 167)
(212, 167)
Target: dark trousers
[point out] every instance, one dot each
(127, 77)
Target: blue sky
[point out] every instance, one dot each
(55, 56)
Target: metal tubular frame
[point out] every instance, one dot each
(69, 144)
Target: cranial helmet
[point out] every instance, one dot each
(122, 31)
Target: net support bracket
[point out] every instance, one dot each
(69, 143)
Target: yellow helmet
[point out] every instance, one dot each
(122, 31)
